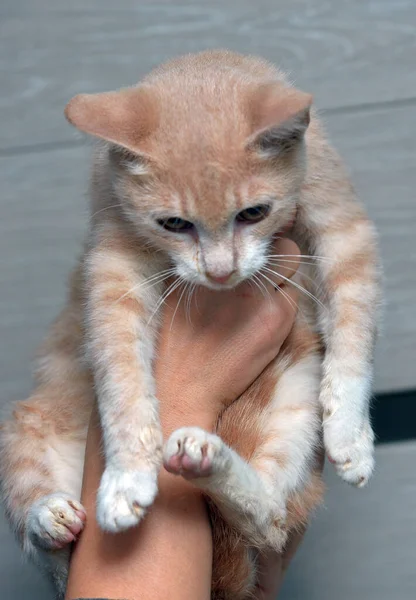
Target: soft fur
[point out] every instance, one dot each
(201, 138)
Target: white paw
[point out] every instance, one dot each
(350, 449)
(55, 521)
(123, 498)
(193, 452)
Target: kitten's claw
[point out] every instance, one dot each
(193, 452)
(123, 498)
(351, 453)
(55, 521)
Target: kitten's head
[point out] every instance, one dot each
(208, 169)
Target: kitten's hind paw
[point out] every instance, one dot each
(123, 498)
(193, 452)
(55, 521)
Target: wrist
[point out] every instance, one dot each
(184, 405)
(181, 405)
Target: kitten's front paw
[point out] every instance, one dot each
(351, 451)
(193, 452)
(55, 521)
(123, 498)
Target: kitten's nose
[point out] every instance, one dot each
(219, 278)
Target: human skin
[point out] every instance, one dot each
(205, 360)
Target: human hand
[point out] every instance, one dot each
(211, 350)
(202, 364)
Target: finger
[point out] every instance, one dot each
(283, 311)
(286, 300)
(275, 318)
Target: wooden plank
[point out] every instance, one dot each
(345, 53)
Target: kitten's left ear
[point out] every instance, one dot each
(124, 118)
(280, 118)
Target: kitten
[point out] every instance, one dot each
(196, 169)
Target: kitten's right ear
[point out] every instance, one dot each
(280, 117)
(124, 118)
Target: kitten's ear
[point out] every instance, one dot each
(280, 118)
(124, 118)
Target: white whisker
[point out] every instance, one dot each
(254, 285)
(177, 304)
(289, 299)
(105, 208)
(299, 287)
(287, 260)
(149, 282)
(279, 289)
(259, 283)
(188, 302)
(196, 290)
(171, 288)
(310, 256)
(276, 263)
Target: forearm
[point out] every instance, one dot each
(168, 555)
(200, 369)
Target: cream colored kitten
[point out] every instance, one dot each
(197, 168)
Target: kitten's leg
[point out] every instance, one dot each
(350, 279)
(41, 472)
(42, 447)
(120, 346)
(240, 492)
(253, 496)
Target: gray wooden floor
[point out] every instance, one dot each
(358, 59)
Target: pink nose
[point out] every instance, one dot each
(219, 278)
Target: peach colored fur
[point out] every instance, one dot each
(198, 138)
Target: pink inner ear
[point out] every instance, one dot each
(124, 118)
(273, 104)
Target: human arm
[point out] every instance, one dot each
(200, 368)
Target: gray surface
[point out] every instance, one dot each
(358, 58)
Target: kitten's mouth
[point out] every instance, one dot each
(222, 287)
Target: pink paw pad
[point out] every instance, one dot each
(193, 453)
(56, 521)
(197, 468)
(189, 466)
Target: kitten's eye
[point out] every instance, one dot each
(175, 224)
(253, 214)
